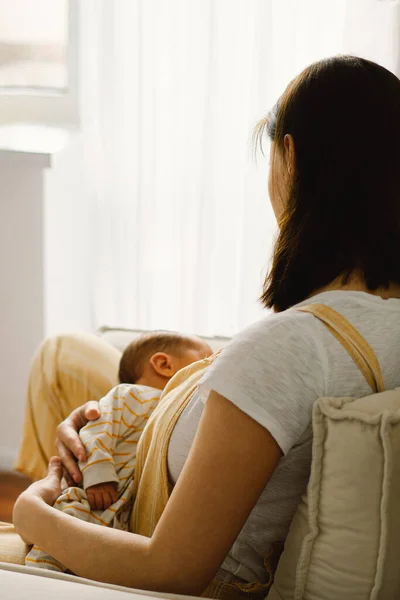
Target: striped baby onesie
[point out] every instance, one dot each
(110, 444)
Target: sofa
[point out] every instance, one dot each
(120, 337)
(344, 541)
(20, 583)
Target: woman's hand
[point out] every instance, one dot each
(47, 490)
(68, 444)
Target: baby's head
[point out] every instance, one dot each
(153, 358)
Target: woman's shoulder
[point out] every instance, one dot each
(357, 307)
(289, 325)
(273, 370)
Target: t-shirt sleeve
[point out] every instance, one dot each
(273, 371)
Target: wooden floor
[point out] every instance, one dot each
(11, 485)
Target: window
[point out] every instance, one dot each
(38, 61)
(33, 45)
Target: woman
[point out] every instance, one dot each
(240, 453)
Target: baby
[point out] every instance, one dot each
(106, 494)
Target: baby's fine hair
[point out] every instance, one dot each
(143, 347)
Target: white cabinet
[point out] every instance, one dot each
(43, 258)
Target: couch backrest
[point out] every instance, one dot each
(120, 337)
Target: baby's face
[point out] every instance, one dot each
(194, 353)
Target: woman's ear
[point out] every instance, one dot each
(162, 363)
(290, 156)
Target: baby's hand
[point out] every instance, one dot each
(102, 495)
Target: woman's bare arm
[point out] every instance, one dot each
(231, 460)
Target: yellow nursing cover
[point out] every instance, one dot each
(152, 489)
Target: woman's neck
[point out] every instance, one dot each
(356, 284)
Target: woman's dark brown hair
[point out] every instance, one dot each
(343, 212)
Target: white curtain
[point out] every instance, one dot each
(171, 90)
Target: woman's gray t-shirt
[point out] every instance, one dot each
(274, 371)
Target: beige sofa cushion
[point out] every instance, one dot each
(12, 548)
(344, 542)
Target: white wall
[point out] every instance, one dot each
(44, 270)
(21, 293)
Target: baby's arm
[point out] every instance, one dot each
(100, 479)
(120, 413)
